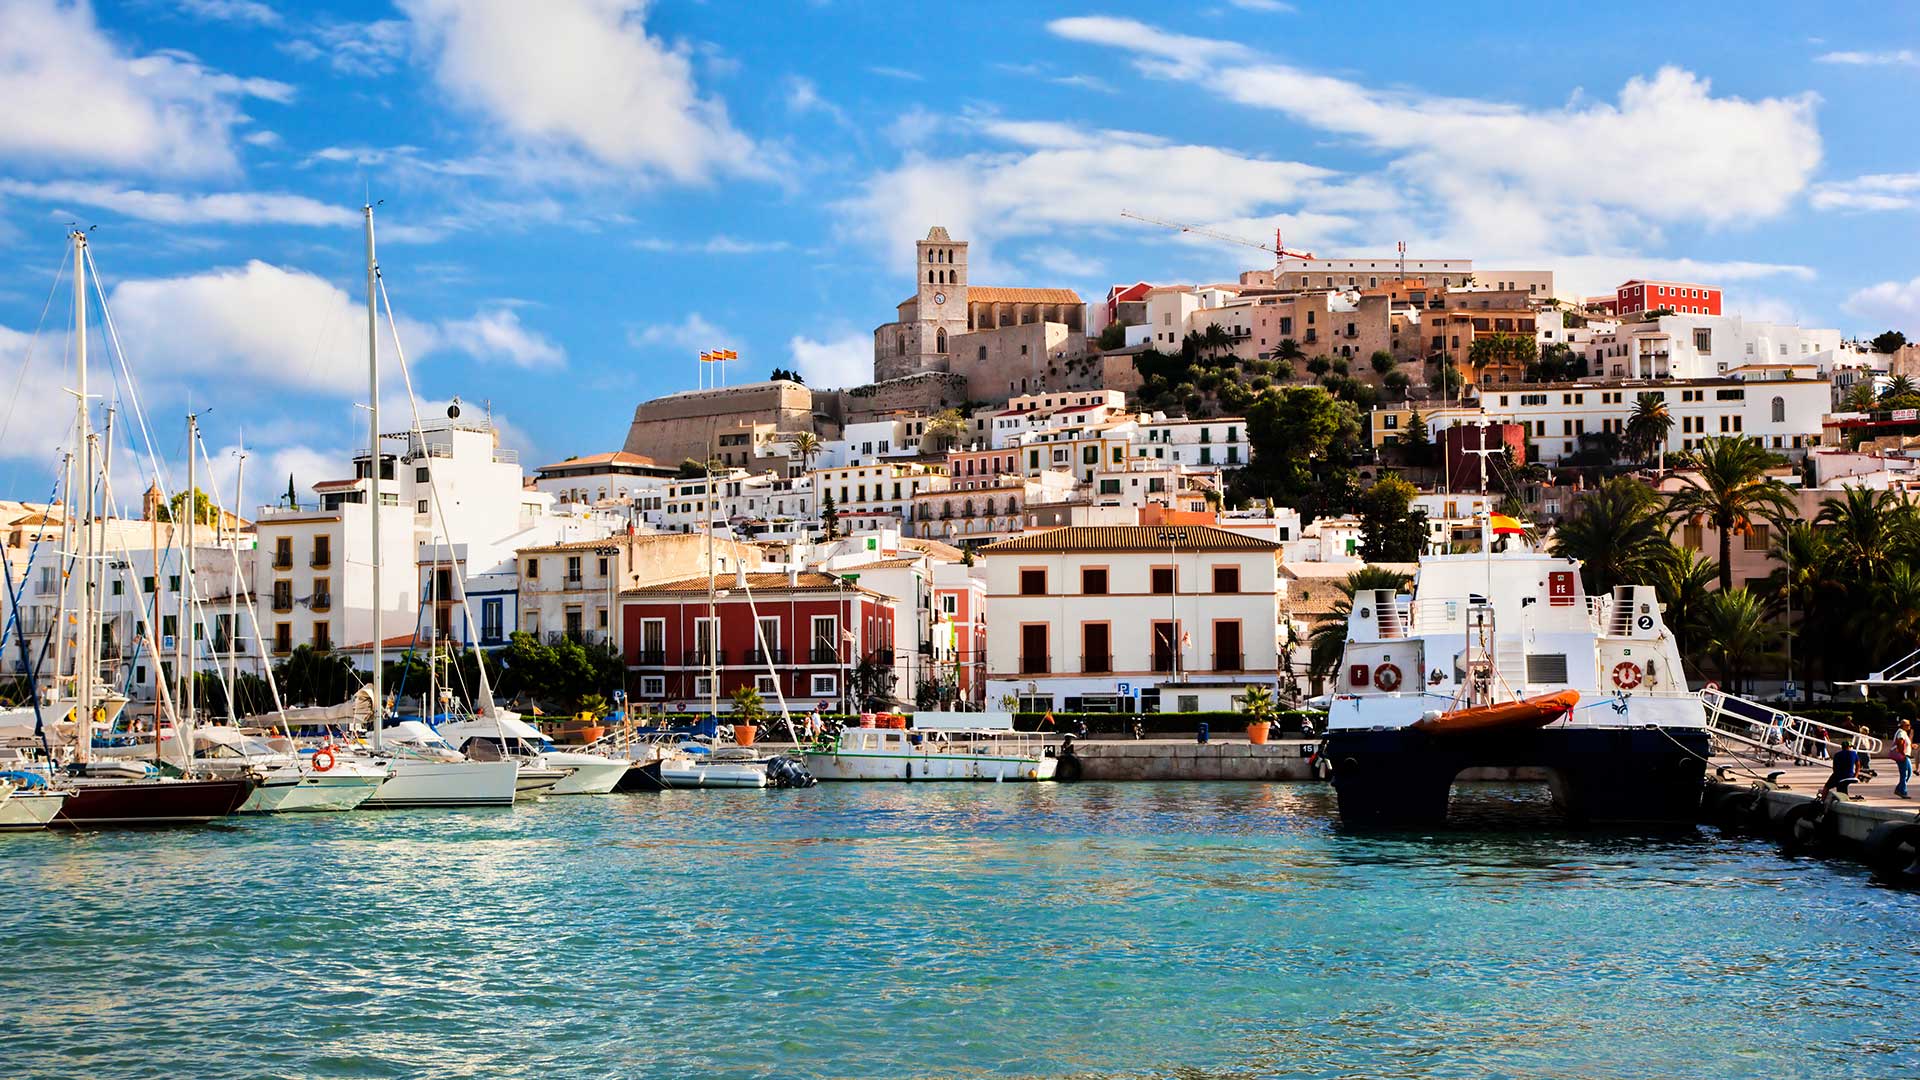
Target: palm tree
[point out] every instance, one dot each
(1648, 425)
(1898, 386)
(1801, 582)
(1617, 535)
(1330, 630)
(947, 427)
(1887, 626)
(807, 445)
(1862, 398)
(1683, 578)
(1288, 349)
(1730, 490)
(1869, 529)
(1737, 634)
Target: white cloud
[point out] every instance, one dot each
(361, 50)
(581, 75)
(1588, 175)
(1878, 191)
(73, 97)
(1081, 183)
(261, 138)
(36, 419)
(1272, 6)
(1084, 82)
(693, 334)
(236, 11)
(716, 245)
(1064, 262)
(1889, 58)
(498, 335)
(842, 361)
(803, 96)
(897, 73)
(225, 208)
(1890, 303)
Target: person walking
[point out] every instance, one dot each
(1900, 752)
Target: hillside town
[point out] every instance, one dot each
(1147, 503)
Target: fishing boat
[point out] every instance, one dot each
(1500, 658)
(980, 747)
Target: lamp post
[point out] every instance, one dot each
(1173, 538)
(610, 556)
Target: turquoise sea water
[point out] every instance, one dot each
(968, 930)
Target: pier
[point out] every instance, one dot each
(1869, 823)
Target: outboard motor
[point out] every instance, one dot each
(785, 772)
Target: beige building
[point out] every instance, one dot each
(567, 589)
(732, 422)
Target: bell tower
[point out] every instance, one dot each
(941, 266)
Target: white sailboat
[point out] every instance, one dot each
(425, 770)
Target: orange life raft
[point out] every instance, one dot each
(1522, 715)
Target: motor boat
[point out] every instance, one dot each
(981, 747)
(30, 802)
(505, 734)
(1499, 658)
(296, 781)
(427, 771)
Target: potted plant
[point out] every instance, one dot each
(592, 709)
(748, 713)
(1257, 702)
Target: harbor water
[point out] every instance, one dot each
(1095, 930)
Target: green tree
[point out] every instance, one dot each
(1113, 336)
(1897, 387)
(1382, 361)
(1288, 350)
(310, 677)
(829, 515)
(1889, 341)
(1447, 379)
(946, 428)
(1729, 489)
(1302, 443)
(203, 509)
(1862, 397)
(1329, 638)
(1736, 635)
(1398, 383)
(1801, 583)
(1391, 530)
(807, 445)
(1416, 439)
(1648, 425)
(1684, 579)
(1618, 534)
(1868, 530)
(872, 682)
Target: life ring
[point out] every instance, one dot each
(1386, 677)
(1711, 685)
(1626, 674)
(1805, 827)
(323, 759)
(1895, 854)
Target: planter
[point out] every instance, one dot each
(1257, 733)
(592, 733)
(744, 734)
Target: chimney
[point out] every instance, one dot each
(740, 576)
(793, 575)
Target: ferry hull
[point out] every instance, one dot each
(1402, 778)
(932, 767)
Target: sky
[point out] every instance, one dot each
(575, 197)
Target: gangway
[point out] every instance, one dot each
(1738, 723)
(1902, 672)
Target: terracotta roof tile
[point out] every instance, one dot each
(808, 581)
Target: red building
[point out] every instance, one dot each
(1681, 297)
(816, 628)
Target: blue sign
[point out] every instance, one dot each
(1126, 689)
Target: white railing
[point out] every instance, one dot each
(1448, 614)
(1775, 732)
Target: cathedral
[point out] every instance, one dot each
(944, 308)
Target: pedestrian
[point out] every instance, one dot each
(1901, 753)
(1845, 766)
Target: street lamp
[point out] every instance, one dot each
(1173, 538)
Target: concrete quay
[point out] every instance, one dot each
(1869, 824)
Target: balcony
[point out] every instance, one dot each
(818, 656)
(1097, 663)
(282, 604)
(1162, 662)
(321, 560)
(1229, 661)
(762, 657)
(321, 602)
(705, 658)
(1036, 665)
(283, 560)
(650, 658)
(881, 656)
(282, 646)
(573, 583)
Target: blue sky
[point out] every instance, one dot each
(581, 194)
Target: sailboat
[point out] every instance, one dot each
(110, 792)
(426, 770)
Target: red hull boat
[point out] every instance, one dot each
(151, 802)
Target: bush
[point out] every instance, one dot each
(1287, 721)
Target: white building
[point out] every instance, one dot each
(1784, 414)
(875, 495)
(1704, 347)
(1215, 444)
(1102, 618)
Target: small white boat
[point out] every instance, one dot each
(506, 734)
(428, 772)
(978, 747)
(31, 808)
(695, 766)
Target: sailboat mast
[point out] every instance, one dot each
(373, 474)
(84, 664)
(189, 624)
(233, 593)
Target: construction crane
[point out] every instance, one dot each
(1277, 249)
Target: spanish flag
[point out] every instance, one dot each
(728, 354)
(1504, 525)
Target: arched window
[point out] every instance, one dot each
(930, 277)
(1779, 410)
(940, 340)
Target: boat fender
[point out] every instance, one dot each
(1386, 678)
(1733, 811)
(323, 759)
(1626, 674)
(1893, 850)
(1070, 768)
(1804, 827)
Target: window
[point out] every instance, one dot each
(1033, 649)
(573, 568)
(1226, 579)
(703, 686)
(766, 684)
(283, 553)
(282, 597)
(533, 569)
(322, 636)
(826, 640)
(1163, 583)
(1779, 410)
(823, 685)
(767, 645)
(1756, 539)
(322, 599)
(1093, 581)
(492, 611)
(1033, 583)
(282, 636)
(653, 686)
